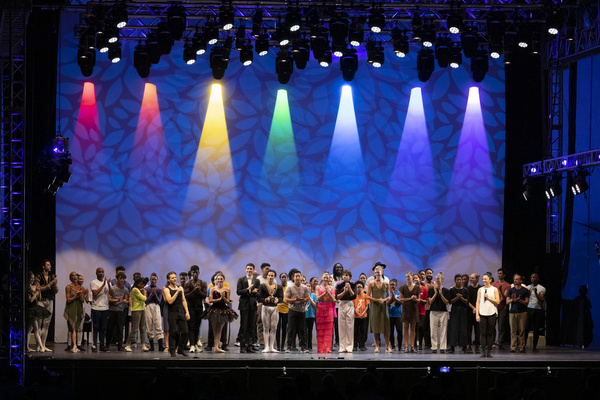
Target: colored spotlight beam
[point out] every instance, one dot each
(345, 169)
(149, 145)
(280, 163)
(87, 147)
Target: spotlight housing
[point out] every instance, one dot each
(554, 22)
(496, 50)
(257, 19)
(165, 41)
(114, 52)
(456, 56)
(176, 20)
(479, 65)
(417, 27)
(226, 17)
(376, 20)
(262, 44)
(282, 34)
(199, 42)
(119, 15)
(425, 64)
(86, 60)
(443, 46)
(189, 54)
(325, 60)
(580, 184)
(293, 19)
(112, 34)
(349, 64)
(524, 35)
(246, 55)
(153, 48)
(553, 188)
(301, 52)
(454, 22)
(218, 61)
(495, 27)
(469, 40)
(211, 32)
(338, 27)
(141, 60)
(400, 42)
(428, 35)
(284, 66)
(102, 43)
(356, 35)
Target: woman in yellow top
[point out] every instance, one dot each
(138, 317)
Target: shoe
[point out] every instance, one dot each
(535, 350)
(224, 348)
(242, 350)
(75, 350)
(182, 352)
(199, 343)
(434, 351)
(145, 348)
(192, 349)
(237, 344)
(32, 350)
(208, 348)
(287, 350)
(305, 351)
(363, 348)
(501, 347)
(388, 350)
(151, 345)
(161, 345)
(249, 349)
(94, 349)
(483, 355)
(413, 350)
(128, 349)
(68, 348)
(81, 348)
(105, 349)
(489, 354)
(377, 350)
(468, 350)
(512, 350)
(451, 351)
(355, 349)
(442, 351)
(172, 353)
(477, 349)
(522, 351)
(342, 351)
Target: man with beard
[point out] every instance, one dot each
(195, 293)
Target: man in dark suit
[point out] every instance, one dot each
(247, 289)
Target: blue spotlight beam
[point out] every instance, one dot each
(572, 162)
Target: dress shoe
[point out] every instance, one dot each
(182, 352)
(242, 350)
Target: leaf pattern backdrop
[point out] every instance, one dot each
(416, 181)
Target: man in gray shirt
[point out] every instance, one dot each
(296, 296)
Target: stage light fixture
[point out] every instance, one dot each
(425, 64)
(400, 42)
(375, 55)
(282, 34)
(571, 25)
(428, 35)
(338, 27)
(469, 40)
(98, 19)
(320, 44)
(153, 48)
(114, 52)
(283, 65)
(496, 50)
(443, 52)
(356, 34)
(554, 22)
(454, 21)
(261, 46)
(338, 50)
(417, 27)
(189, 54)
(524, 35)
(378, 58)
(199, 42)
(301, 52)
(293, 19)
(211, 32)
(119, 14)
(141, 60)
(376, 20)
(325, 60)
(176, 21)
(495, 27)
(580, 184)
(102, 43)
(240, 37)
(227, 44)
(553, 188)
(349, 64)
(226, 17)
(86, 60)
(509, 43)
(218, 61)
(165, 41)
(257, 20)
(456, 56)
(535, 45)
(246, 55)
(479, 65)
(112, 34)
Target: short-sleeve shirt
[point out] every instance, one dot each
(117, 293)
(395, 310)
(515, 306)
(100, 301)
(501, 288)
(293, 292)
(438, 303)
(533, 301)
(424, 296)
(360, 305)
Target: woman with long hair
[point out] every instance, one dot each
(311, 311)
(219, 312)
(378, 294)
(325, 314)
(74, 309)
(486, 312)
(410, 312)
(35, 312)
(269, 295)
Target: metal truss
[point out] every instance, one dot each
(144, 15)
(12, 177)
(553, 166)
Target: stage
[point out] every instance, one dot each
(245, 375)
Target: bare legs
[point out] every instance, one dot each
(409, 335)
(33, 326)
(217, 327)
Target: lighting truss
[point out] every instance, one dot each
(573, 162)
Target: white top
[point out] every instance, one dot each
(533, 301)
(486, 307)
(99, 302)
(372, 278)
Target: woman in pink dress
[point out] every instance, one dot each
(325, 314)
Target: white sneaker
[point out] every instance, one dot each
(199, 349)
(145, 348)
(192, 349)
(128, 348)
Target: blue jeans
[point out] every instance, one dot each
(99, 324)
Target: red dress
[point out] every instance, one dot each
(324, 319)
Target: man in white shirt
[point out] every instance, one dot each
(536, 309)
(100, 289)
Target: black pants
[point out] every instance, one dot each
(396, 324)
(116, 321)
(535, 323)
(365, 335)
(281, 331)
(194, 323)
(488, 332)
(360, 331)
(336, 331)
(473, 326)
(177, 320)
(427, 329)
(420, 332)
(247, 324)
(310, 324)
(296, 326)
(503, 327)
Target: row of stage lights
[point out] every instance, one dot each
(340, 38)
(553, 186)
